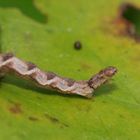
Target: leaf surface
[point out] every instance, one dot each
(44, 32)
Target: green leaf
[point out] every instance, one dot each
(44, 32)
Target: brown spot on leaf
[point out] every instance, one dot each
(85, 66)
(127, 19)
(15, 108)
(55, 120)
(51, 118)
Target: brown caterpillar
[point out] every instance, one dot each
(11, 64)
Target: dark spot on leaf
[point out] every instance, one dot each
(33, 118)
(78, 70)
(15, 108)
(104, 102)
(128, 21)
(55, 120)
(77, 45)
(51, 118)
(121, 116)
(85, 66)
(38, 97)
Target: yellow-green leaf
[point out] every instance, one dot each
(44, 32)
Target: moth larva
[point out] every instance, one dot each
(11, 64)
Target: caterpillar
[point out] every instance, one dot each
(49, 80)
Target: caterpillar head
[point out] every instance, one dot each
(102, 77)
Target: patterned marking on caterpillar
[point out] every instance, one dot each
(11, 64)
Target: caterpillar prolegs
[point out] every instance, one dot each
(49, 80)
